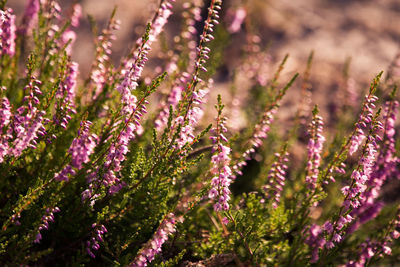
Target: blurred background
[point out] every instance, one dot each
(365, 30)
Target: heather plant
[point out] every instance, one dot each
(133, 167)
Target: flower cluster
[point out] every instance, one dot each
(132, 110)
(206, 36)
(28, 120)
(260, 132)
(384, 168)
(361, 175)
(276, 178)
(220, 165)
(69, 36)
(354, 193)
(314, 148)
(133, 67)
(76, 15)
(66, 95)
(116, 155)
(377, 248)
(221, 181)
(119, 147)
(132, 70)
(315, 241)
(334, 231)
(5, 118)
(7, 32)
(93, 243)
(80, 150)
(388, 156)
(30, 17)
(236, 19)
(364, 119)
(48, 217)
(153, 246)
(194, 114)
(191, 15)
(173, 99)
(100, 68)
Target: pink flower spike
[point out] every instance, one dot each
(7, 32)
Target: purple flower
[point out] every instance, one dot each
(395, 234)
(28, 120)
(66, 95)
(132, 70)
(315, 241)
(260, 132)
(364, 119)
(101, 66)
(5, 112)
(358, 186)
(76, 15)
(194, 114)
(276, 178)
(68, 37)
(131, 109)
(220, 169)
(5, 118)
(384, 167)
(80, 150)
(48, 217)
(30, 17)
(153, 246)
(368, 250)
(7, 32)
(314, 148)
(97, 236)
(236, 19)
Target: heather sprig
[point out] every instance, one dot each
(314, 148)
(153, 246)
(30, 17)
(276, 177)
(383, 169)
(100, 69)
(48, 217)
(220, 170)
(202, 55)
(93, 243)
(143, 44)
(80, 150)
(350, 143)
(191, 16)
(7, 32)
(375, 248)
(353, 193)
(28, 120)
(65, 96)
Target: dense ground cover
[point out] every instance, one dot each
(128, 166)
